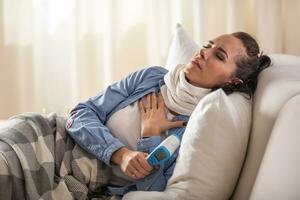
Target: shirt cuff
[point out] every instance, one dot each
(110, 150)
(148, 144)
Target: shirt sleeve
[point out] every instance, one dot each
(90, 133)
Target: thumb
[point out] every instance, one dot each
(145, 154)
(175, 124)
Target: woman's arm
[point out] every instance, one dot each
(86, 128)
(86, 124)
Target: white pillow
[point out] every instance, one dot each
(182, 48)
(213, 147)
(212, 151)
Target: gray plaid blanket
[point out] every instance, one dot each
(38, 160)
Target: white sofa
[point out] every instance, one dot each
(271, 168)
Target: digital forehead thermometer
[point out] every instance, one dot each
(164, 150)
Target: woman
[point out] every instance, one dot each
(120, 130)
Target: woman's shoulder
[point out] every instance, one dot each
(146, 73)
(156, 69)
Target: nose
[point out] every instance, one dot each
(203, 54)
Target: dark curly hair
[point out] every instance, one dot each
(248, 67)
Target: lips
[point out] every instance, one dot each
(196, 64)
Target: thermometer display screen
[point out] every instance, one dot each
(159, 155)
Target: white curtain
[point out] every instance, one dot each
(55, 53)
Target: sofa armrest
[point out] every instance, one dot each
(278, 176)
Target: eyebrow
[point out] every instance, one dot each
(219, 48)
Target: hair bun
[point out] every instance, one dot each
(264, 61)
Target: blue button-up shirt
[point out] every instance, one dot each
(86, 125)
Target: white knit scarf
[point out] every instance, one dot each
(179, 95)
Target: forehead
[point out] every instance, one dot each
(232, 45)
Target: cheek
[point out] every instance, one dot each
(220, 74)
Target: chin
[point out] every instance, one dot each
(186, 72)
(188, 68)
(189, 77)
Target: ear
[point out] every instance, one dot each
(235, 81)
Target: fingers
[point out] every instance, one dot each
(138, 167)
(148, 102)
(140, 171)
(153, 100)
(175, 124)
(137, 174)
(132, 172)
(141, 108)
(144, 163)
(161, 103)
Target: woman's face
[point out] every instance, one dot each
(214, 65)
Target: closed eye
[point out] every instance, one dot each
(219, 51)
(219, 56)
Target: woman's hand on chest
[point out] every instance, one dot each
(153, 116)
